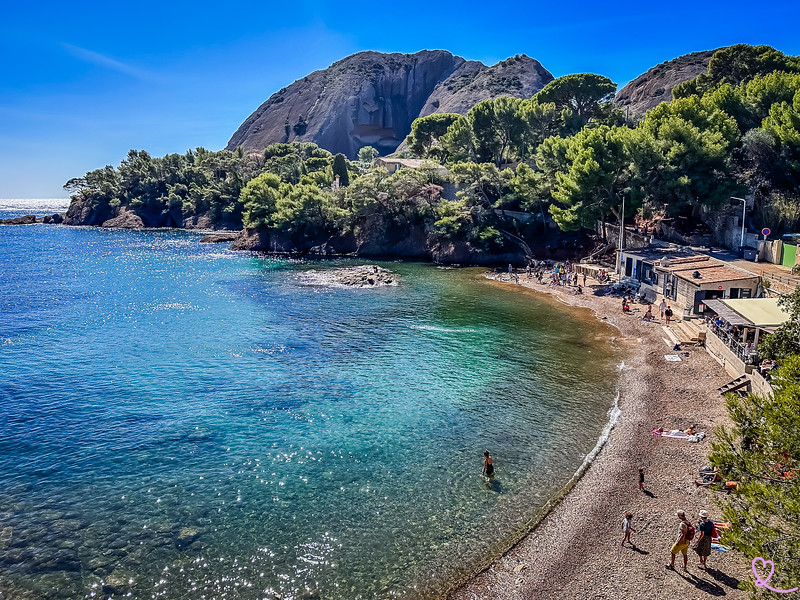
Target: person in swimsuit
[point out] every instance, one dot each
(488, 467)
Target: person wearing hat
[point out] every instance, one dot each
(703, 544)
(681, 543)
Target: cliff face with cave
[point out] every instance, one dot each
(371, 99)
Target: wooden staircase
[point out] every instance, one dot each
(689, 332)
(736, 384)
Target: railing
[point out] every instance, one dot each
(737, 347)
(785, 279)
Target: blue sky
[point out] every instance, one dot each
(81, 83)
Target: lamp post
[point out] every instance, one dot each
(744, 211)
(621, 238)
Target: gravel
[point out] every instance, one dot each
(575, 551)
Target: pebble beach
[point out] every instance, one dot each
(575, 551)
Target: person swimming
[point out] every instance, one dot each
(488, 467)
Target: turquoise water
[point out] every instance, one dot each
(180, 421)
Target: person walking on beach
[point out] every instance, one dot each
(682, 542)
(668, 314)
(584, 280)
(703, 545)
(488, 467)
(663, 306)
(641, 478)
(627, 528)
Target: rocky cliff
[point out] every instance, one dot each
(655, 86)
(371, 99)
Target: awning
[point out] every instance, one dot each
(762, 312)
(728, 314)
(749, 312)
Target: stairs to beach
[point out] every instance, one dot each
(689, 331)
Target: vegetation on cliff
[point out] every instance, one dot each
(566, 151)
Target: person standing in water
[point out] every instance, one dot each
(488, 467)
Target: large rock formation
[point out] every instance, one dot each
(519, 76)
(371, 99)
(655, 86)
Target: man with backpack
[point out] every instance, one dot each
(685, 536)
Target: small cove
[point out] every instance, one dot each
(187, 422)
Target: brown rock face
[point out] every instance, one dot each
(371, 99)
(125, 220)
(654, 87)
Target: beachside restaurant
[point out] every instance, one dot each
(737, 327)
(687, 280)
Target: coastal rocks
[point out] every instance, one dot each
(55, 219)
(261, 240)
(125, 220)
(364, 276)
(219, 238)
(85, 211)
(24, 220)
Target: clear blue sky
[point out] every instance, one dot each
(83, 82)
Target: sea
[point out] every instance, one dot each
(181, 421)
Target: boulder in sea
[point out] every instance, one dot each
(54, 219)
(125, 220)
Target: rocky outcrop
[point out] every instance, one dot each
(126, 219)
(54, 219)
(413, 242)
(363, 276)
(219, 238)
(23, 220)
(655, 86)
(519, 76)
(371, 98)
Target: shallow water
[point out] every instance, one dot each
(180, 421)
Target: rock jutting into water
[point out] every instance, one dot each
(219, 238)
(364, 276)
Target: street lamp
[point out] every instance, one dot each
(744, 210)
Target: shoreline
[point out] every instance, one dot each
(573, 549)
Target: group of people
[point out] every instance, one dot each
(558, 275)
(699, 537)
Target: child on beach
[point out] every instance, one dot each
(627, 528)
(641, 478)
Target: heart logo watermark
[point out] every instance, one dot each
(759, 564)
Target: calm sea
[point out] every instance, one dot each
(179, 421)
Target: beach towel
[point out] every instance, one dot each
(719, 547)
(681, 435)
(672, 358)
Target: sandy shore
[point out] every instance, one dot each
(575, 551)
